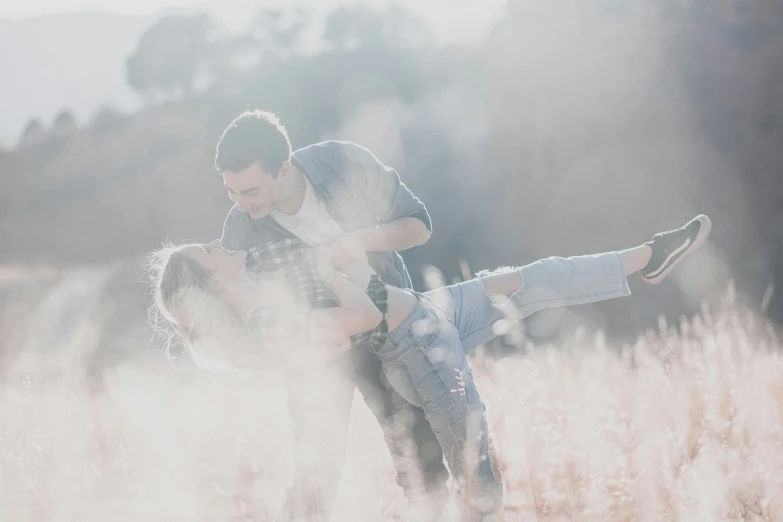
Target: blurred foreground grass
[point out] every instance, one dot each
(683, 425)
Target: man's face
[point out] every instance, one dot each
(253, 190)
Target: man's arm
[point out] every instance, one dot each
(401, 234)
(403, 219)
(330, 328)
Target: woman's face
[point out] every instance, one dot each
(223, 264)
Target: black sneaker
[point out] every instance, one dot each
(668, 248)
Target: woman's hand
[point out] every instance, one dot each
(346, 250)
(323, 262)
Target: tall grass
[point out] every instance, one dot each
(687, 424)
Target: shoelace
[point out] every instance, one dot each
(663, 235)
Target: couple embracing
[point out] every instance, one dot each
(307, 276)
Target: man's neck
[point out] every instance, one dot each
(297, 192)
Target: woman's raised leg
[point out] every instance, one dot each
(515, 293)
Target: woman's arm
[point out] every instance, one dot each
(356, 312)
(274, 326)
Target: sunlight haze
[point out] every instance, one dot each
(28, 9)
(386, 260)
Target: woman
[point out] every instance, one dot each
(420, 338)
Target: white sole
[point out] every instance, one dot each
(704, 231)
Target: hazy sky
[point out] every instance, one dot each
(52, 73)
(28, 8)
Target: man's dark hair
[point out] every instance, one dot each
(253, 136)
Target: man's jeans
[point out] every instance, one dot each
(424, 358)
(319, 403)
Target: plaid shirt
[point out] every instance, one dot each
(273, 324)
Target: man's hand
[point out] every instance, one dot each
(346, 250)
(323, 261)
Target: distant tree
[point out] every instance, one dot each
(170, 55)
(230, 56)
(274, 36)
(361, 26)
(64, 122)
(105, 117)
(278, 35)
(404, 29)
(354, 26)
(106, 114)
(33, 131)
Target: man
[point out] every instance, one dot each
(339, 194)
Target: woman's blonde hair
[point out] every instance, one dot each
(188, 311)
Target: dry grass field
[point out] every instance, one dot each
(682, 425)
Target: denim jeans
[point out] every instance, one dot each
(424, 359)
(319, 403)
(547, 283)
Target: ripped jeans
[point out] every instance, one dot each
(424, 360)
